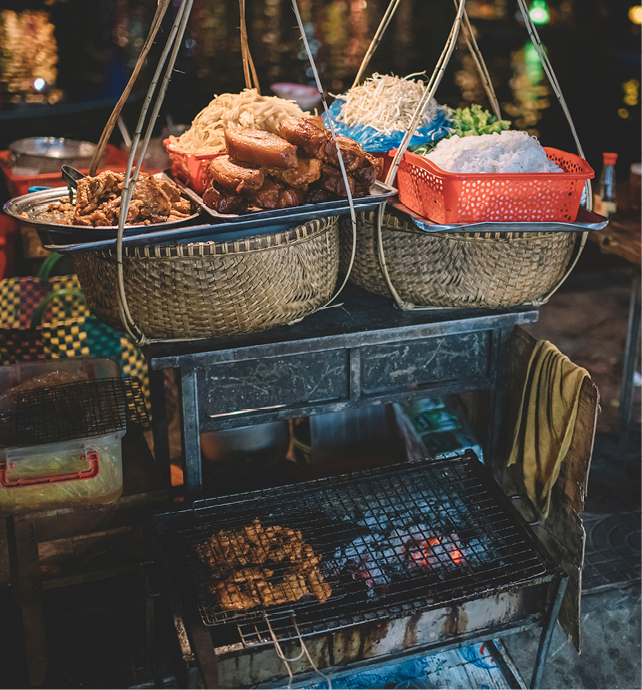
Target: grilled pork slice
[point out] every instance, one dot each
(235, 177)
(223, 201)
(273, 195)
(332, 181)
(307, 171)
(352, 153)
(260, 148)
(307, 132)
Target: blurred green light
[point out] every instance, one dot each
(539, 12)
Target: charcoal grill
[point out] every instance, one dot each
(418, 556)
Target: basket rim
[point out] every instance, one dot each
(285, 238)
(463, 236)
(587, 172)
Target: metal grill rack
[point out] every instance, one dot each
(79, 410)
(366, 527)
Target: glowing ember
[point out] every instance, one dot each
(434, 552)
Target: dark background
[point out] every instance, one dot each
(593, 47)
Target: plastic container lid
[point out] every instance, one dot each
(609, 158)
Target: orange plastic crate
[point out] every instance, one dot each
(445, 197)
(190, 169)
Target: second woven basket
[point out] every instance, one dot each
(214, 289)
(457, 270)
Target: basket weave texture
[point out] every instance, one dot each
(456, 270)
(214, 289)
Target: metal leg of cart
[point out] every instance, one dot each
(547, 633)
(630, 360)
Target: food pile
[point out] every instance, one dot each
(503, 152)
(299, 166)
(248, 110)
(244, 563)
(155, 200)
(378, 112)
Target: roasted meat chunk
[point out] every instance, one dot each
(274, 195)
(352, 153)
(260, 148)
(235, 177)
(332, 181)
(223, 201)
(307, 132)
(316, 195)
(307, 171)
(367, 174)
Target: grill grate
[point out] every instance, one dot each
(393, 541)
(79, 410)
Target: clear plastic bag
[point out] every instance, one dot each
(373, 140)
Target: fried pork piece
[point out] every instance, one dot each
(307, 132)
(367, 174)
(235, 177)
(307, 171)
(223, 201)
(275, 195)
(352, 153)
(316, 195)
(332, 181)
(260, 148)
(154, 200)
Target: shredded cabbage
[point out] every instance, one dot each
(503, 152)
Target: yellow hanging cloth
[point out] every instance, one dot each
(546, 420)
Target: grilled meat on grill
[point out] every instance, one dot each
(252, 584)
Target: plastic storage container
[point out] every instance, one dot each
(81, 472)
(445, 197)
(54, 475)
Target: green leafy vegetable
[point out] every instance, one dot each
(467, 122)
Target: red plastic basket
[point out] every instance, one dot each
(189, 168)
(445, 197)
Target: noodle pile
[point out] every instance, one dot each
(386, 103)
(247, 110)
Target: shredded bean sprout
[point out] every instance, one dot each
(386, 103)
(247, 110)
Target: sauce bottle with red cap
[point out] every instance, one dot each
(604, 201)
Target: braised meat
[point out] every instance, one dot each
(154, 200)
(352, 153)
(235, 177)
(307, 171)
(222, 201)
(273, 195)
(307, 132)
(367, 174)
(316, 195)
(332, 181)
(260, 148)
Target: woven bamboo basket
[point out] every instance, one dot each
(457, 270)
(214, 289)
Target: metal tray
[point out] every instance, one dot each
(586, 220)
(379, 192)
(30, 208)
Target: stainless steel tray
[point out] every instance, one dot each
(30, 209)
(586, 220)
(379, 193)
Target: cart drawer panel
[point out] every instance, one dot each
(418, 363)
(275, 381)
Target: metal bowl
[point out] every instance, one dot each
(32, 209)
(47, 154)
